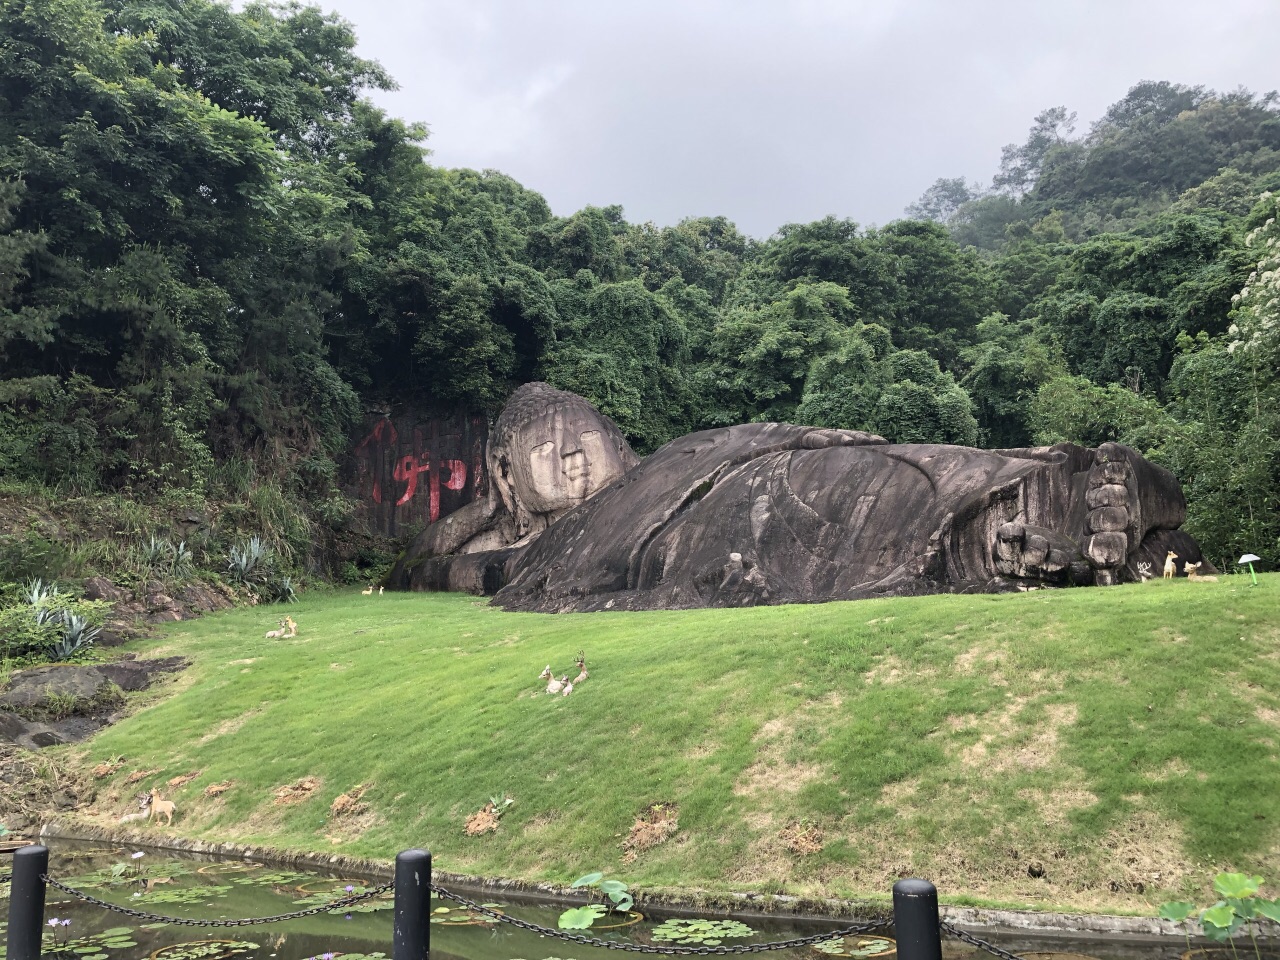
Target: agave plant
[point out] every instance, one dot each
(77, 634)
(40, 596)
(280, 591)
(156, 553)
(183, 558)
(247, 558)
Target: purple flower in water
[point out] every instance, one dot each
(66, 923)
(135, 855)
(55, 922)
(326, 956)
(347, 917)
(348, 888)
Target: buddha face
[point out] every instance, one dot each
(557, 459)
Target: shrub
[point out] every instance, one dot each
(29, 555)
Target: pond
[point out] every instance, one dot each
(189, 885)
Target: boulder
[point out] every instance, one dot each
(31, 689)
(100, 588)
(85, 693)
(30, 734)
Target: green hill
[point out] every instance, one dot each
(1123, 739)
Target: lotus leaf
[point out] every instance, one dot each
(580, 918)
(1236, 885)
(1269, 909)
(1176, 911)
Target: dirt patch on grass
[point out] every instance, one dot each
(230, 725)
(107, 768)
(763, 777)
(1144, 850)
(889, 670)
(484, 820)
(218, 789)
(139, 775)
(898, 792)
(802, 838)
(1175, 768)
(967, 662)
(655, 825)
(766, 865)
(1054, 806)
(1003, 745)
(349, 804)
(541, 822)
(184, 778)
(296, 792)
(772, 729)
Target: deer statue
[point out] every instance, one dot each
(368, 591)
(144, 801)
(581, 661)
(1193, 573)
(555, 686)
(288, 628)
(1170, 568)
(161, 807)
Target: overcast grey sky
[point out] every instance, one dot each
(773, 112)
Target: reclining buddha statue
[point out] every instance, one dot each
(769, 513)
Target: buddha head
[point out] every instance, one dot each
(551, 450)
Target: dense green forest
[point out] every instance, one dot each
(214, 249)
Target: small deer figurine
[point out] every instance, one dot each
(288, 628)
(161, 807)
(1170, 568)
(581, 661)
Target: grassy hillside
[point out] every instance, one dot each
(1125, 739)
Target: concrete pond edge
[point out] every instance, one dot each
(975, 920)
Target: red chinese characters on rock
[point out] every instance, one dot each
(381, 448)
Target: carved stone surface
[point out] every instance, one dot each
(548, 452)
(769, 513)
(776, 513)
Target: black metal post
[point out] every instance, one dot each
(26, 902)
(915, 920)
(412, 937)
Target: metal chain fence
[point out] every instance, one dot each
(978, 942)
(867, 926)
(721, 950)
(189, 922)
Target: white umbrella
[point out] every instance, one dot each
(1247, 560)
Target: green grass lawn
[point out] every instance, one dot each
(1124, 738)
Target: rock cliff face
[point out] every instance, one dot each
(770, 513)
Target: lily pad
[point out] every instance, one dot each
(710, 932)
(856, 946)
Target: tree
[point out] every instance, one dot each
(1020, 165)
(943, 200)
